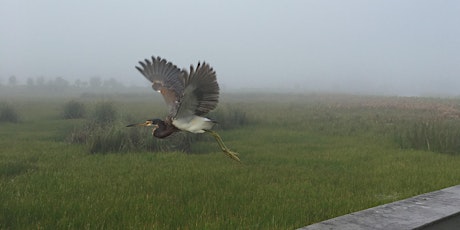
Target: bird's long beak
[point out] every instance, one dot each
(131, 125)
(140, 124)
(145, 124)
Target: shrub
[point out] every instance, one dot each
(8, 114)
(73, 110)
(104, 113)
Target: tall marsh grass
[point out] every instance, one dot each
(229, 117)
(437, 135)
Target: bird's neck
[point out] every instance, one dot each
(164, 129)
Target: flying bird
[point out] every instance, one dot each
(190, 95)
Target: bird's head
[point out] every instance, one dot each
(160, 128)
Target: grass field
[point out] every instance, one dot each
(306, 158)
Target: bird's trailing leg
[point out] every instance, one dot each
(224, 148)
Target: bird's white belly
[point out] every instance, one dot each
(194, 124)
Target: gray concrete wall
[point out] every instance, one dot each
(435, 210)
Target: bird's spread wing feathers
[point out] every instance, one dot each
(201, 92)
(166, 78)
(194, 93)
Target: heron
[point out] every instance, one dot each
(190, 95)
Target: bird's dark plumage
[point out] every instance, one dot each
(187, 93)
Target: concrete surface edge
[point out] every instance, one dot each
(426, 211)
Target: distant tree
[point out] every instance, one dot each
(60, 82)
(30, 82)
(12, 81)
(95, 82)
(112, 83)
(40, 81)
(77, 83)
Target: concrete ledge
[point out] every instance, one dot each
(435, 210)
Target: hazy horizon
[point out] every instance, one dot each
(371, 47)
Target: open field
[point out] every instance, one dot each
(306, 158)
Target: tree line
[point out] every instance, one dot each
(60, 82)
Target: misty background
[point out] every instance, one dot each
(391, 47)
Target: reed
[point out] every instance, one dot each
(8, 113)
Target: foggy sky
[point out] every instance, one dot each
(392, 47)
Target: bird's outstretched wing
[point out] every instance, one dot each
(166, 78)
(201, 92)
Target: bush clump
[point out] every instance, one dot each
(8, 113)
(104, 113)
(74, 110)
